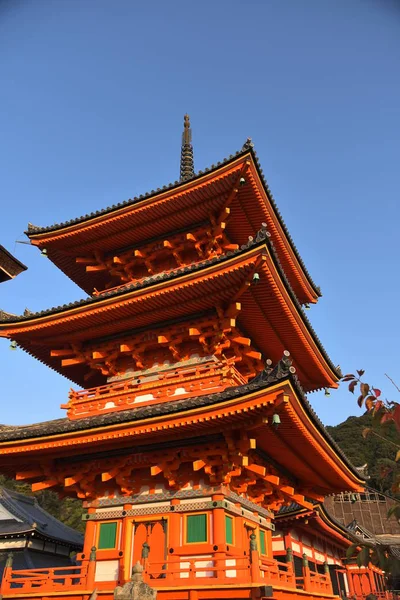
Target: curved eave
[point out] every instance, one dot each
(307, 438)
(321, 519)
(271, 314)
(10, 266)
(43, 536)
(180, 205)
(300, 445)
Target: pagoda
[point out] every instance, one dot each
(190, 427)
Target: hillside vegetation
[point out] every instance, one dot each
(378, 450)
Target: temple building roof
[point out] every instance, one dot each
(10, 266)
(20, 514)
(192, 199)
(222, 284)
(353, 531)
(298, 420)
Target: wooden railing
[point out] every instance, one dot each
(74, 577)
(128, 392)
(280, 573)
(186, 571)
(176, 571)
(46, 579)
(316, 582)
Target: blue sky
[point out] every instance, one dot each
(91, 109)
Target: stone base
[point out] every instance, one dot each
(136, 588)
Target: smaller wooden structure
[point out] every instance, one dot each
(315, 538)
(35, 538)
(10, 266)
(368, 508)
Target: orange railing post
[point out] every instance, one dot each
(290, 568)
(91, 569)
(306, 574)
(254, 560)
(349, 577)
(192, 572)
(328, 578)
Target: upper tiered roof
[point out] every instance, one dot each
(232, 195)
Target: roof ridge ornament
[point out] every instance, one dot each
(187, 160)
(272, 374)
(248, 144)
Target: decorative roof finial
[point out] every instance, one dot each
(187, 162)
(248, 144)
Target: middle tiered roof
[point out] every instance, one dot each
(247, 288)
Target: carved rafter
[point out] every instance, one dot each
(216, 335)
(219, 221)
(171, 251)
(161, 255)
(231, 462)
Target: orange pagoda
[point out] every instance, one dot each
(190, 427)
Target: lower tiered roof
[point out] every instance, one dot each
(300, 445)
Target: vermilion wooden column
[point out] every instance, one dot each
(90, 531)
(126, 545)
(350, 582)
(219, 536)
(174, 539)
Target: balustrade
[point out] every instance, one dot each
(177, 571)
(133, 391)
(28, 580)
(74, 577)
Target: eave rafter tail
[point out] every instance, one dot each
(304, 423)
(213, 333)
(281, 235)
(232, 461)
(272, 272)
(219, 220)
(207, 239)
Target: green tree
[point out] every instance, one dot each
(383, 427)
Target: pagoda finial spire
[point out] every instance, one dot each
(187, 162)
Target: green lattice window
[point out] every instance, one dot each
(107, 535)
(229, 529)
(196, 528)
(263, 545)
